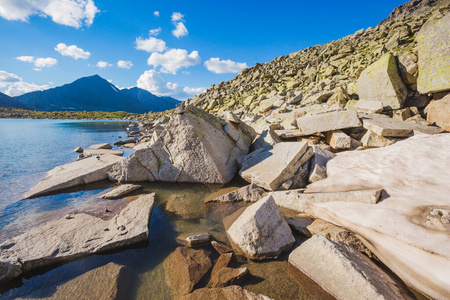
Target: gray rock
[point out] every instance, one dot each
(79, 150)
(439, 112)
(260, 232)
(300, 224)
(369, 106)
(388, 127)
(338, 140)
(328, 121)
(78, 236)
(300, 202)
(120, 191)
(100, 146)
(97, 152)
(248, 193)
(266, 140)
(84, 171)
(196, 240)
(319, 163)
(342, 271)
(372, 140)
(270, 168)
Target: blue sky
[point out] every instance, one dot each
(179, 51)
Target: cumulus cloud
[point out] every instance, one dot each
(151, 44)
(103, 64)
(72, 51)
(65, 12)
(155, 31)
(156, 13)
(173, 60)
(16, 86)
(39, 62)
(153, 82)
(124, 64)
(218, 66)
(178, 20)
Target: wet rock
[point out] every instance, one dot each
(183, 207)
(221, 248)
(81, 235)
(84, 171)
(416, 183)
(439, 112)
(197, 240)
(120, 191)
(192, 148)
(319, 163)
(328, 121)
(300, 224)
(270, 168)
(300, 202)
(79, 150)
(234, 292)
(341, 267)
(382, 82)
(104, 146)
(228, 276)
(184, 268)
(338, 140)
(434, 55)
(260, 232)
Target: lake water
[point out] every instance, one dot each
(32, 147)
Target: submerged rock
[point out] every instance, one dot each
(260, 232)
(233, 292)
(121, 191)
(74, 237)
(196, 240)
(84, 171)
(341, 271)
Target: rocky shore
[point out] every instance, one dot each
(351, 137)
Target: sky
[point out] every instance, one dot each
(172, 48)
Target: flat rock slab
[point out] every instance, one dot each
(372, 140)
(342, 271)
(84, 171)
(328, 121)
(196, 240)
(95, 152)
(288, 133)
(415, 174)
(388, 127)
(120, 191)
(100, 146)
(300, 202)
(248, 193)
(76, 236)
(233, 292)
(270, 168)
(369, 106)
(261, 232)
(338, 140)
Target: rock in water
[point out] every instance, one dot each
(248, 193)
(233, 292)
(342, 271)
(121, 191)
(439, 112)
(184, 268)
(84, 171)
(100, 146)
(434, 55)
(192, 148)
(261, 232)
(396, 229)
(382, 82)
(270, 168)
(80, 235)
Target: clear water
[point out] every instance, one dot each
(32, 147)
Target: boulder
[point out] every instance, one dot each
(388, 127)
(328, 121)
(372, 140)
(228, 276)
(266, 140)
(184, 268)
(248, 193)
(97, 152)
(439, 112)
(341, 271)
(300, 224)
(434, 55)
(270, 168)
(260, 232)
(233, 292)
(300, 202)
(221, 248)
(414, 172)
(240, 133)
(338, 140)
(319, 163)
(120, 191)
(192, 148)
(75, 236)
(369, 106)
(382, 82)
(105, 146)
(84, 171)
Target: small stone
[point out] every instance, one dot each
(78, 150)
(121, 191)
(197, 240)
(221, 248)
(369, 106)
(338, 140)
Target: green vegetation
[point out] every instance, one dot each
(15, 113)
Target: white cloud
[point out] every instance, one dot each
(180, 30)
(218, 66)
(177, 16)
(153, 82)
(151, 44)
(72, 51)
(8, 78)
(103, 64)
(124, 64)
(156, 13)
(155, 31)
(65, 12)
(39, 62)
(177, 20)
(173, 60)
(16, 86)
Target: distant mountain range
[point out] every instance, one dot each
(7, 101)
(94, 93)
